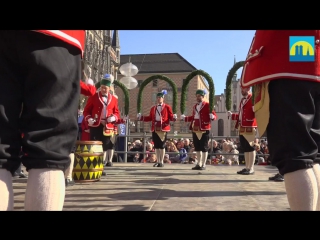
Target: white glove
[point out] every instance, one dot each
(111, 119)
(229, 113)
(139, 116)
(182, 117)
(90, 82)
(87, 131)
(175, 116)
(212, 117)
(91, 121)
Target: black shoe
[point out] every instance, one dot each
(247, 173)
(156, 164)
(160, 165)
(279, 178)
(202, 168)
(275, 176)
(109, 164)
(242, 171)
(104, 173)
(69, 182)
(197, 167)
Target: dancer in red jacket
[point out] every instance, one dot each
(160, 116)
(101, 113)
(246, 124)
(39, 70)
(200, 125)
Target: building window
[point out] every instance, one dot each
(154, 97)
(234, 107)
(169, 98)
(155, 83)
(139, 82)
(220, 127)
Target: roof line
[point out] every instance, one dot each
(186, 61)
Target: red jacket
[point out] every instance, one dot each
(166, 117)
(247, 115)
(268, 58)
(204, 118)
(86, 89)
(85, 134)
(94, 108)
(73, 37)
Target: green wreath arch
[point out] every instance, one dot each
(161, 77)
(186, 83)
(125, 93)
(230, 75)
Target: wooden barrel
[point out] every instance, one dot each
(88, 162)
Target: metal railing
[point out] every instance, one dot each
(145, 136)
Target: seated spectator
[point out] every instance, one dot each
(166, 159)
(186, 143)
(213, 148)
(233, 158)
(173, 153)
(136, 148)
(193, 158)
(152, 158)
(217, 158)
(136, 158)
(259, 159)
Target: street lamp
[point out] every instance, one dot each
(128, 70)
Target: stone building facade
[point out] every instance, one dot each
(101, 55)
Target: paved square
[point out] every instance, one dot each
(141, 187)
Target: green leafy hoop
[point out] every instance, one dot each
(186, 83)
(125, 93)
(230, 75)
(162, 77)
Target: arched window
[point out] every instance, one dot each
(220, 127)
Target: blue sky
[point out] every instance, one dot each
(210, 50)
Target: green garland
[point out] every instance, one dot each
(186, 83)
(125, 93)
(162, 77)
(230, 75)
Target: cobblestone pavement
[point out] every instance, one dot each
(141, 187)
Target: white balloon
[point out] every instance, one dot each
(128, 69)
(129, 82)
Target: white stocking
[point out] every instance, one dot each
(6, 191)
(110, 154)
(302, 190)
(45, 190)
(204, 159)
(199, 157)
(316, 171)
(162, 153)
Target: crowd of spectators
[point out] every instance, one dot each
(223, 151)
